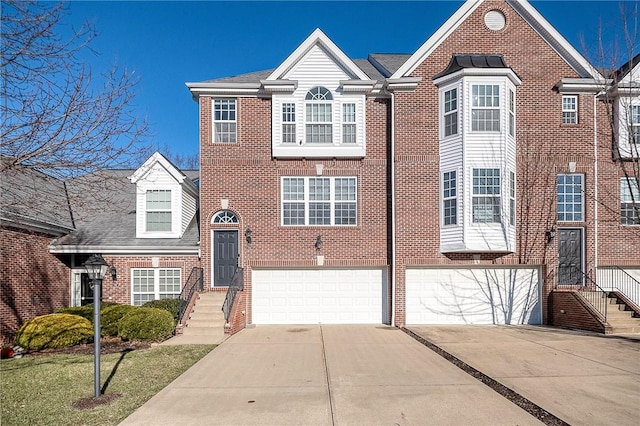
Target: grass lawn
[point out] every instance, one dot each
(42, 390)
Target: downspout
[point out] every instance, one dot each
(595, 178)
(393, 212)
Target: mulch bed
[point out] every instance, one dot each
(108, 345)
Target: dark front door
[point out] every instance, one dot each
(570, 257)
(225, 257)
(86, 290)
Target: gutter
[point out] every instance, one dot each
(115, 250)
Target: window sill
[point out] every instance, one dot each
(318, 151)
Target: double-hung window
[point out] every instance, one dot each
(224, 120)
(449, 199)
(289, 123)
(158, 210)
(570, 197)
(512, 113)
(629, 201)
(155, 283)
(451, 112)
(486, 196)
(318, 117)
(569, 109)
(319, 201)
(485, 108)
(634, 131)
(348, 123)
(512, 198)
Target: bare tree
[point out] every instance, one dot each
(57, 116)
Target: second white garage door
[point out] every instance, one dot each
(319, 296)
(473, 296)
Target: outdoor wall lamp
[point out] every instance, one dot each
(550, 234)
(247, 235)
(319, 242)
(96, 268)
(114, 273)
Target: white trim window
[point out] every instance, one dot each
(569, 109)
(570, 197)
(319, 201)
(451, 112)
(349, 123)
(634, 124)
(485, 108)
(224, 121)
(154, 284)
(512, 198)
(486, 196)
(449, 198)
(288, 123)
(512, 113)
(158, 210)
(629, 201)
(318, 117)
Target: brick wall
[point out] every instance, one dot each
(33, 281)
(568, 312)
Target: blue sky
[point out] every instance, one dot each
(169, 43)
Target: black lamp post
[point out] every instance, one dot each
(96, 268)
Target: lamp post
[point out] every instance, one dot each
(96, 268)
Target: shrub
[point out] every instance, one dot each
(149, 324)
(111, 316)
(85, 311)
(54, 331)
(171, 305)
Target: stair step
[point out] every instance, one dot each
(204, 323)
(206, 315)
(203, 331)
(625, 330)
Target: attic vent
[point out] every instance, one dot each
(494, 20)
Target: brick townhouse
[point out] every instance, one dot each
(466, 183)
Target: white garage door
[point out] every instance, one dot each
(313, 296)
(473, 296)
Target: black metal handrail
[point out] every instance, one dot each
(237, 284)
(622, 282)
(597, 297)
(194, 283)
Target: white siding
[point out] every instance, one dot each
(158, 178)
(188, 210)
(473, 296)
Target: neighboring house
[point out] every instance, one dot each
(144, 222)
(466, 183)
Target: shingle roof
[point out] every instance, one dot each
(388, 63)
(252, 77)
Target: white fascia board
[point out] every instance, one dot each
(625, 90)
(357, 86)
(279, 86)
(582, 85)
(436, 39)
(554, 39)
(405, 84)
(124, 250)
(483, 72)
(224, 89)
(634, 75)
(317, 37)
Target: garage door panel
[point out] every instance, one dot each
(473, 296)
(326, 296)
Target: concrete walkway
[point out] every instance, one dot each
(326, 375)
(581, 378)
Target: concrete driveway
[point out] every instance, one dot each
(326, 375)
(581, 378)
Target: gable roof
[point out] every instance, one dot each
(318, 38)
(539, 24)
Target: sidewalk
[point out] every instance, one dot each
(324, 375)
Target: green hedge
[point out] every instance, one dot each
(147, 324)
(54, 331)
(110, 318)
(85, 311)
(170, 305)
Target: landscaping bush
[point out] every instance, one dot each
(171, 305)
(147, 324)
(54, 331)
(85, 311)
(111, 316)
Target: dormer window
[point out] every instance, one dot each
(485, 108)
(319, 128)
(158, 210)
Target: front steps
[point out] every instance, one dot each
(621, 320)
(205, 323)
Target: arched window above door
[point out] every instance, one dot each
(225, 216)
